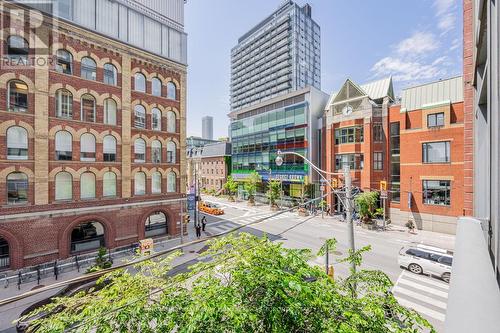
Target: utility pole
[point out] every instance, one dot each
(350, 225)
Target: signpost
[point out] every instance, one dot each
(383, 196)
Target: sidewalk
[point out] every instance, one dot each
(11, 312)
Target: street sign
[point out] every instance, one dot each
(383, 185)
(383, 194)
(146, 246)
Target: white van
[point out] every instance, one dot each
(424, 259)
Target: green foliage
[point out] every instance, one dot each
(251, 285)
(273, 191)
(251, 184)
(231, 186)
(100, 261)
(332, 246)
(322, 204)
(366, 202)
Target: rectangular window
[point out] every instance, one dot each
(354, 161)
(378, 133)
(436, 152)
(395, 162)
(378, 161)
(349, 135)
(436, 192)
(435, 119)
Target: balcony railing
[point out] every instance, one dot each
(474, 296)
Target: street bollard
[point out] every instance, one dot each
(19, 281)
(56, 270)
(77, 264)
(38, 275)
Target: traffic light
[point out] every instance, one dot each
(334, 183)
(186, 218)
(383, 185)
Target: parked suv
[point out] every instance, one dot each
(424, 259)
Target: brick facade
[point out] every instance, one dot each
(40, 229)
(414, 171)
(214, 172)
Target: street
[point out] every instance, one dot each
(426, 295)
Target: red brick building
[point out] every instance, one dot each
(416, 146)
(89, 145)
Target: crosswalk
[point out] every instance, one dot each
(426, 295)
(225, 225)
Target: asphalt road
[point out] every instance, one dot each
(427, 295)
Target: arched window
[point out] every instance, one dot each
(171, 182)
(64, 62)
(87, 236)
(171, 152)
(64, 186)
(87, 147)
(110, 111)
(139, 151)
(156, 151)
(88, 108)
(64, 104)
(17, 188)
(156, 225)
(156, 119)
(17, 143)
(139, 116)
(110, 74)
(109, 184)
(171, 122)
(64, 146)
(17, 50)
(156, 86)
(156, 182)
(171, 90)
(4, 254)
(88, 69)
(87, 185)
(18, 96)
(140, 183)
(109, 148)
(140, 82)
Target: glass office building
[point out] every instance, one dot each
(287, 123)
(279, 55)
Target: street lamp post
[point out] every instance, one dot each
(348, 200)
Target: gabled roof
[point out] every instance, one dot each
(379, 89)
(374, 90)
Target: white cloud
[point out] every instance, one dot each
(418, 43)
(445, 14)
(408, 70)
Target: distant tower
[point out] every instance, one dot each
(207, 128)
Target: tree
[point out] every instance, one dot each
(251, 185)
(366, 202)
(273, 191)
(100, 261)
(250, 285)
(231, 186)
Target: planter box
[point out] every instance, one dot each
(251, 204)
(368, 226)
(274, 208)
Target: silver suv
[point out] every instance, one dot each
(424, 259)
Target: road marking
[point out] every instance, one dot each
(420, 297)
(424, 288)
(427, 280)
(422, 309)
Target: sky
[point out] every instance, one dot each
(415, 41)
